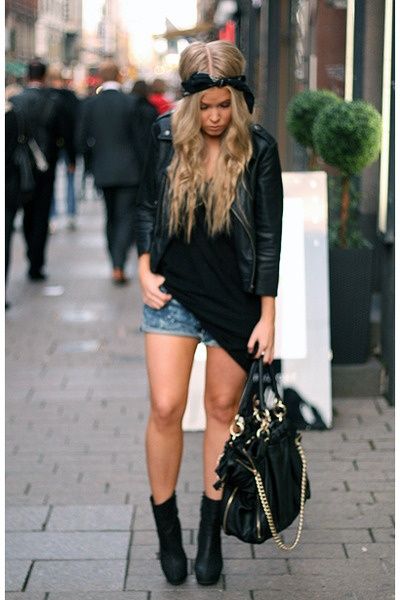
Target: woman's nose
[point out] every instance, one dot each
(214, 116)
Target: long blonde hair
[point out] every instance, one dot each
(186, 172)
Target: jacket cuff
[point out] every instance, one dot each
(266, 290)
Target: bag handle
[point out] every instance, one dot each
(256, 373)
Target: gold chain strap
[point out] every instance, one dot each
(267, 510)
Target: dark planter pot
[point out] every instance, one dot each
(350, 297)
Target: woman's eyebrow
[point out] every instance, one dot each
(222, 102)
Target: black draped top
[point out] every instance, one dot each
(204, 277)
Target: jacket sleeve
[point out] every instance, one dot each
(146, 199)
(268, 219)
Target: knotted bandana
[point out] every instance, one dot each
(198, 82)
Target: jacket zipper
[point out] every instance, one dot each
(228, 505)
(252, 246)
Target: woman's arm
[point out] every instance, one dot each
(263, 333)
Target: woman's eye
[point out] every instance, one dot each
(225, 105)
(203, 107)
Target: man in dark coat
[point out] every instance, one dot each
(48, 126)
(110, 133)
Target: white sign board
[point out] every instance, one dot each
(302, 314)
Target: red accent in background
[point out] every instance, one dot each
(228, 33)
(93, 80)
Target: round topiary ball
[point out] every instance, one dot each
(302, 110)
(347, 135)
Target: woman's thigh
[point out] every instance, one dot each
(225, 380)
(169, 361)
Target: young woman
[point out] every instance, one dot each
(209, 225)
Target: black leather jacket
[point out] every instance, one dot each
(256, 210)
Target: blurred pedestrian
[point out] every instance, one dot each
(48, 125)
(158, 98)
(13, 201)
(147, 112)
(110, 132)
(70, 102)
(209, 225)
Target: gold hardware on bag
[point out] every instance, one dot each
(279, 409)
(267, 509)
(239, 423)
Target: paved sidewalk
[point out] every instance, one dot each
(78, 520)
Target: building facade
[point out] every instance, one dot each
(20, 18)
(58, 30)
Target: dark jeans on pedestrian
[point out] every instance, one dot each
(9, 218)
(36, 220)
(120, 209)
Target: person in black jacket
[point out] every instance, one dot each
(147, 112)
(208, 233)
(48, 125)
(110, 132)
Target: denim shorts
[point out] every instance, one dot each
(174, 319)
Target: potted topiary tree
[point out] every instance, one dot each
(301, 114)
(347, 135)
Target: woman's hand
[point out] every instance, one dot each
(263, 333)
(150, 285)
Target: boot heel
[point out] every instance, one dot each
(172, 555)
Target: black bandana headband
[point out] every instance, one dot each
(198, 82)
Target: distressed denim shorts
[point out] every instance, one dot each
(174, 319)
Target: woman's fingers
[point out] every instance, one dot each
(268, 356)
(155, 298)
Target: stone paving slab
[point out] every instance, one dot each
(75, 575)
(356, 586)
(26, 518)
(49, 545)
(25, 596)
(85, 518)
(304, 550)
(200, 594)
(98, 596)
(16, 572)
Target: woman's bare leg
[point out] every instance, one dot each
(225, 380)
(169, 362)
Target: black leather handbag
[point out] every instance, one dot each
(263, 468)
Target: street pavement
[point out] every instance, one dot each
(78, 520)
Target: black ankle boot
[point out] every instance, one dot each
(172, 555)
(208, 564)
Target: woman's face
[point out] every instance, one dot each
(215, 111)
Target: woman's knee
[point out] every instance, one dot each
(166, 412)
(221, 408)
